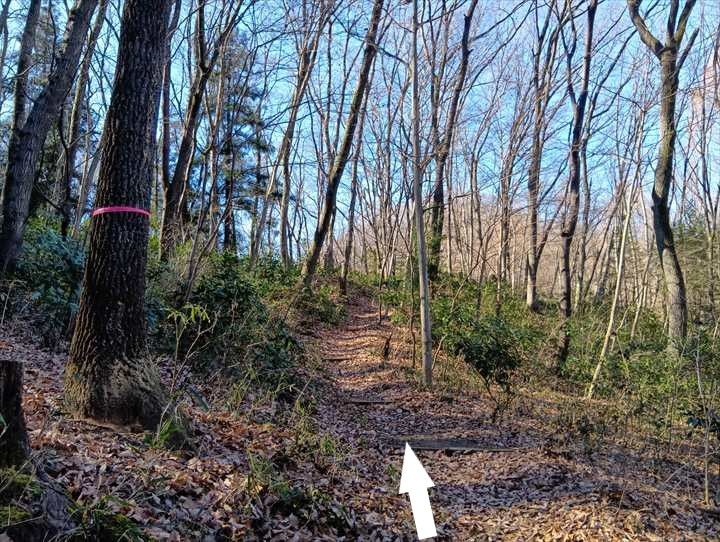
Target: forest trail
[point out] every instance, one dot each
(535, 482)
(543, 478)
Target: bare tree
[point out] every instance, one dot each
(316, 17)
(175, 210)
(422, 262)
(671, 62)
(578, 101)
(27, 141)
(72, 138)
(543, 82)
(341, 157)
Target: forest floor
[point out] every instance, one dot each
(534, 480)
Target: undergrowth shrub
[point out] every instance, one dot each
(465, 325)
(270, 277)
(319, 305)
(49, 272)
(19, 491)
(274, 495)
(491, 348)
(224, 326)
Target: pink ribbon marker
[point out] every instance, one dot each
(120, 209)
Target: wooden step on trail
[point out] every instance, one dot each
(366, 400)
(452, 444)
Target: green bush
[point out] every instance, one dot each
(492, 349)
(225, 324)
(270, 277)
(50, 270)
(320, 305)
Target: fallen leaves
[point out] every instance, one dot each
(342, 484)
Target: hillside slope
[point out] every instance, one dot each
(325, 464)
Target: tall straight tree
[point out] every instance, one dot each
(544, 57)
(341, 158)
(27, 44)
(106, 377)
(26, 142)
(307, 53)
(445, 142)
(176, 187)
(578, 101)
(671, 61)
(14, 441)
(73, 135)
(4, 37)
(422, 260)
(347, 252)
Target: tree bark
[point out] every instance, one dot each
(669, 260)
(165, 175)
(610, 332)
(106, 377)
(175, 211)
(14, 447)
(443, 150)
(175, 192)
(422, 260)
(347, 253)
(27, 44)
(307, 62)
(543, 88)
(4, 31)
(26, 145)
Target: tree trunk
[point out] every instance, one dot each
(609, 334)
(14, 448)
(73, 139)
(4, 31)
(26, 145)
(422, 260)
(175, 212)
(307, 63)
(27, 44)
(571, 217)
(347, 253)
(106, 377)
(88, 178)
(669, 260)
(338, 167)
(176, 192)
(582, 255)
(670, 65)
(165, 174)
(443, 152)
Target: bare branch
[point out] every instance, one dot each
(645, 35)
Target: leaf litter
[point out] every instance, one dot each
(249, 479)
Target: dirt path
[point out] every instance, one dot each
(545, 486)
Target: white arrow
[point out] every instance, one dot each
(415, 481)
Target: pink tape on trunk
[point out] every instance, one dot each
(120, 209)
